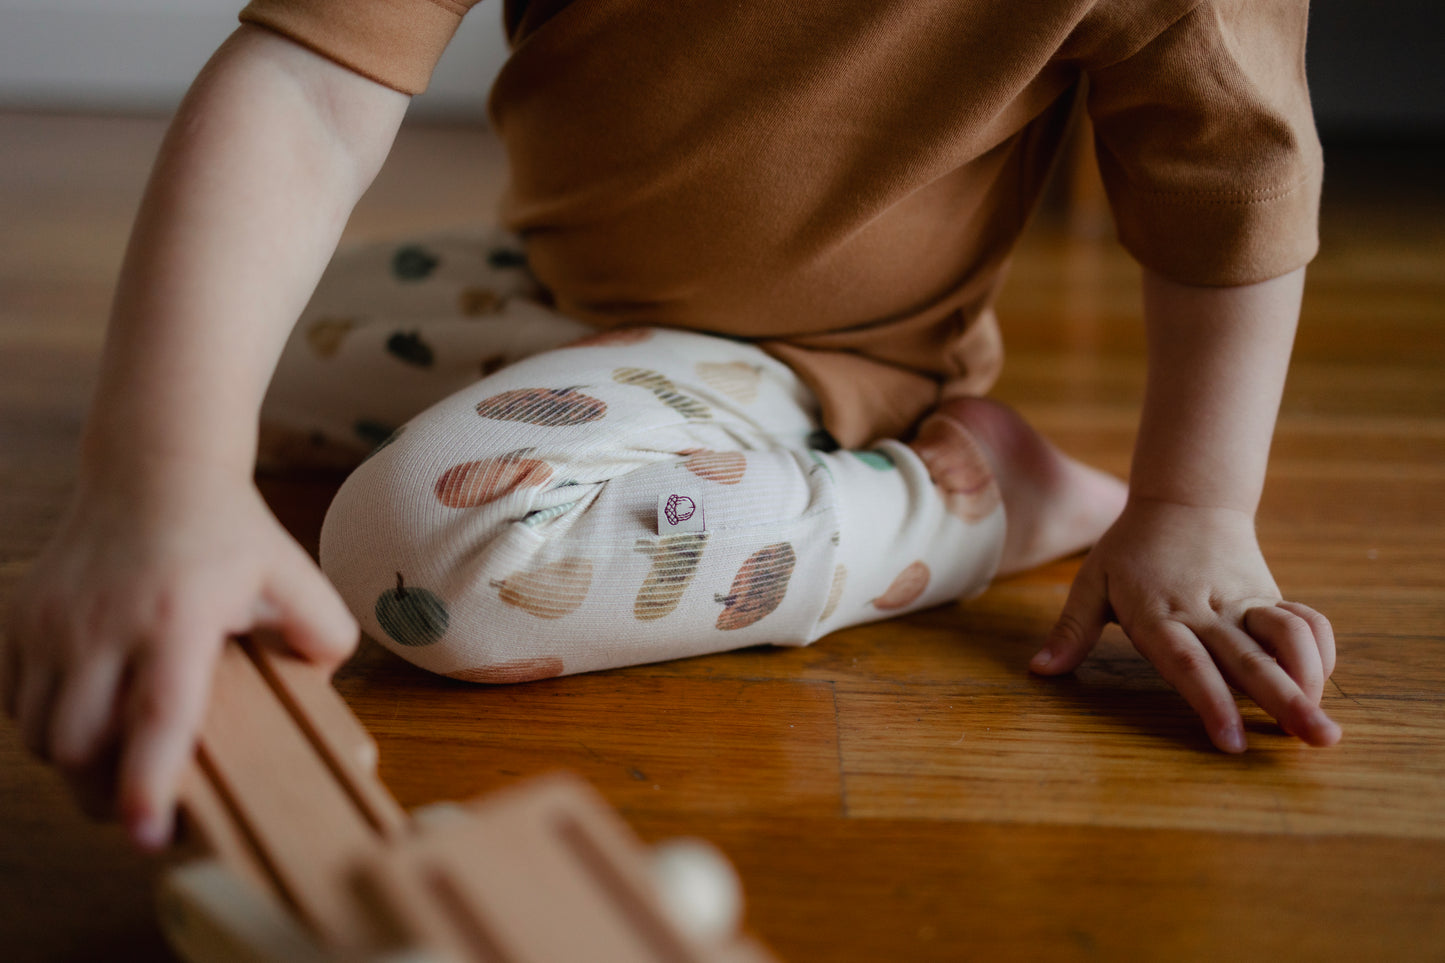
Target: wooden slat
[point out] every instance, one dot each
(305, 828)
(347, 749)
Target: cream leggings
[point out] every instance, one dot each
(545, 499)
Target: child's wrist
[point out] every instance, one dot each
(116, 461)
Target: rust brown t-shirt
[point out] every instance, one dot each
(843, 181)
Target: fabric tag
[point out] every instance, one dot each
(679, 511)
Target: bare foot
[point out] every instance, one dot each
(1053, 505)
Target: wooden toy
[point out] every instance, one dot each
(311, 858)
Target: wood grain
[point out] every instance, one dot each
(900, 791)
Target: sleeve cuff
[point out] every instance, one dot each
(394, 42)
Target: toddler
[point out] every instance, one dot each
(715, 381)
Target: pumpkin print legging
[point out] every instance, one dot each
(545, 499)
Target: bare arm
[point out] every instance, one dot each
(167, 547)
(1181, 570)
(254, 183)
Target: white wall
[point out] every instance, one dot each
(142, 54)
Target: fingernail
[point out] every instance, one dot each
(1232, 739)
(151, 834)
(1325, 726)
(925, 453)
(1042, 659)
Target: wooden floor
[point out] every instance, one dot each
(904, 791)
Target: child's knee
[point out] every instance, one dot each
(412, 544)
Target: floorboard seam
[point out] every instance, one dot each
(838, 744)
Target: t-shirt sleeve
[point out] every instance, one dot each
(394, 42)
(1207, 145)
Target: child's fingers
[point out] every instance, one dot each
(1324, 633)
(1183, 661)
(32, 705)
(93, 787)
(84, 713)
(309, 612)
(1291, 640)
(165, 704)
(10, 669)
(1256, 673)
(1078, 628)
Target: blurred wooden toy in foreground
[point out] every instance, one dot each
(312, 859)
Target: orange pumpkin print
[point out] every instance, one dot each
(759, 586)
(476, 483)
(546, 407)
(549, 591)
(906, 588)
(723, 467)
(516, 670)
(476, 302)
(325, 335)
(612, 339)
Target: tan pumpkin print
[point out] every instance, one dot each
(546, 407)
(736, 379)
(476, 302)
(723, 467)
(666, 392)
(516, 670)
(325, 335)
(549, 591)
(476, 483)
(674, 562)
(759, 586)
(906, 588)
(612, 339)
(835, 592)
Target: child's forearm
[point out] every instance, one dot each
(1217, 363)
(254, 182)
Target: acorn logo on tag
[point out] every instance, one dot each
(679, 508)
(679, 512)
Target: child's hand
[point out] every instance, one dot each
(1193, 593)
(111, 641)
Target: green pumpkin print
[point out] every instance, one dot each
(411, 616)
(409, 347)
(822, 440)
(506, 257)
(880, 460)
(674, 562)
(371, 429)
(546, 407)
(375, 433)
(759, 586)
(666, 392)
(412, 262)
